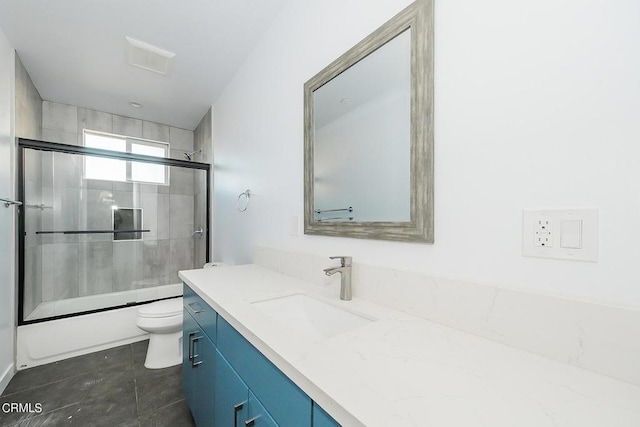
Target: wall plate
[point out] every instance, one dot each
(570, 234)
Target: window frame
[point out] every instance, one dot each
(129, 141)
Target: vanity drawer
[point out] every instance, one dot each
(201, 312)
(286, 403)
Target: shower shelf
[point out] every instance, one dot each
(93, 231)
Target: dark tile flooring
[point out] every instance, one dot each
(110, 388)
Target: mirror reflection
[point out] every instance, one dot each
(362, 139)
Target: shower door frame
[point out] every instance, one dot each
(33, 144)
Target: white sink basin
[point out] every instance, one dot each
(314, 318)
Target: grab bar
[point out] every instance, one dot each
(9, 202)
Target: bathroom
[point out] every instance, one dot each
(535, 107)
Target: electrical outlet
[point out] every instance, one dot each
(569, 234)
(543, 232)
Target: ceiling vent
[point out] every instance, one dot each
(148, 57)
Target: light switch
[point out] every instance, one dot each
(571, 234)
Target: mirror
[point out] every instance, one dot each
(369, 135)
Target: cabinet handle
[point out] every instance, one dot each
(190, 336)
(236, 408)
(251, 422)
(196, 308)
(193, 344)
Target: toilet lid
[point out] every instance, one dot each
(166, 308)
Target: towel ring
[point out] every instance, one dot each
(247, 195)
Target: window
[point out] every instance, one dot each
(125, 170)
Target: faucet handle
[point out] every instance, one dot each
(345, 261)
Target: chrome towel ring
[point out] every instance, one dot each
(243, 201)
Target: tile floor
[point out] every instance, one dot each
(110, 388)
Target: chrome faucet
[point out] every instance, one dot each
(345, 276)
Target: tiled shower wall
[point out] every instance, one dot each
(28, 104)
(90, 264)
(28, 122)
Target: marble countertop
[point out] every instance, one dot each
(401, 370)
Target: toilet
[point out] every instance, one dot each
(163, 321)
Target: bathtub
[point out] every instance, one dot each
(54, 340)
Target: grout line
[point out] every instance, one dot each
(135, 384)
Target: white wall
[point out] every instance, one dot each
(537, 104)
(7, 327)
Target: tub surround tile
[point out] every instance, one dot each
(59, 137)
(155, 131)
(95, 213)
(60, 117)
(181, 139)
(95, 268)
(202, 136)
(153, 269)
(28, 104)
(181, 216)
(86, 204)
(181, 257)
(164, 216)
(150, 215)
(126, 258)
(589, 335)
(95, 184)
(182, 181)
(94, 120)
(60, 262)
(177, 154)
(127, 126)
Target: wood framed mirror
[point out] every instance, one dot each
(368, 135)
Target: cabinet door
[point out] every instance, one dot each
(286, 403)
(204, 366)
(198, 372)
(231, 407)
(258, 416)
(189, 373)
(322, 419)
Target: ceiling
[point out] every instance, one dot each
(75, 51)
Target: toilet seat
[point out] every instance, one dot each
(161, 309)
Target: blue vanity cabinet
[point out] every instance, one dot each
(288, 405)
(235, 404)
(322, 419)
(198, 370)
(202, 312)
(258, 415)
(228, 382)
(231, 406)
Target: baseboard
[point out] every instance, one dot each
(6, 377)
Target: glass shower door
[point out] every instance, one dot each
(103, 232)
